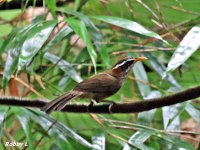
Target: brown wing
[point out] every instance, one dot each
(100, 83)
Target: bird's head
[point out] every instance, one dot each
(123, 66)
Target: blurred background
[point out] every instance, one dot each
(48, 46)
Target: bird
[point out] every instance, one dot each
(97, 87)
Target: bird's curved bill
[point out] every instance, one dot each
(140, 58)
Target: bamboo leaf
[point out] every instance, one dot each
(129, 25)
(64, 32)
(3, 113)
(63, 65)
(138, 139)
(13, 48)
(62, 130)
(34, 41)
(98, 142)
(168, 114)
(193, 112)
(51, 4)
(160, 69)
(24, 120)
(184, 51)
(142, 78)
(95, 33)
(80, 29)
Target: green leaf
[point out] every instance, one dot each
(26, 127)
(137, 139)
(34, 41)
(63, 65)
(79, 4)
(24, 120)
(181, 109)
(95, 33)
(63, 33)
(3, 113)
(62, 130)
(99, 142)
(142, 78)
(168, 114)
(148, 9)
(140, 137)
(160, 68)
(146, 118)
(51, 4)
(47, 125)
(129, 25)
(80, 29)
(13, 48)
(194, 113)
(177, 143)
(186, 48)
(10, 37)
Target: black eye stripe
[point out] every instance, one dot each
(129, 63)
(125, 64)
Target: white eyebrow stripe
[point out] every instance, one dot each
(122, 63)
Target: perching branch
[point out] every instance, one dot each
(18, 4)
(133, 107)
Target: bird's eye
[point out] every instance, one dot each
(126, 65)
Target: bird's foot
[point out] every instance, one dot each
(111, 104)
(90, 106)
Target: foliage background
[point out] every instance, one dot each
(48, 58)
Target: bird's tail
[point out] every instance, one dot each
(59, 103)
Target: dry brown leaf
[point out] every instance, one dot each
(192, 126)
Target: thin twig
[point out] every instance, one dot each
(183, 10)
(141, 51)
(26, 85)
(38, 142)
(60, 58)
(158, 131)
(150, 128)
(95, 117)
(136, 45)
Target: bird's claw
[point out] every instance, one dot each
(110, 107)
